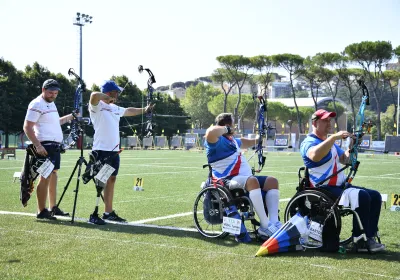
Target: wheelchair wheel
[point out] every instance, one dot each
(208, 211)
(316, 206)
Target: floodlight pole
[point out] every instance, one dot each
(81, 20)
(398, 112)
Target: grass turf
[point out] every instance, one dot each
(31, 249)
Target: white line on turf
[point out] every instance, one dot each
(179, 215)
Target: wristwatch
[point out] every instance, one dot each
(228, 129)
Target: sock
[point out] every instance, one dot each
(256, 199)
(272, 201)
(106, 213)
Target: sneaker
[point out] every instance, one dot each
(278, 224)
(269, 231)
(113, 217)
(45, 214)
(55, 211)
(372, 244)
(95, 219)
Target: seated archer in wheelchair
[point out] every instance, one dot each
(231, 178)
(324, 160)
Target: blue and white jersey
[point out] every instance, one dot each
(225, 158)
(327, 166)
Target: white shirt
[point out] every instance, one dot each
(105, 118)
(46, 118)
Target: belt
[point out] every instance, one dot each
(48, 143)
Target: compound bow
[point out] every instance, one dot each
(75, 123)
(263, 128)
(149, 99)
(360, 129)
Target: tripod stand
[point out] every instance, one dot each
(78, 166)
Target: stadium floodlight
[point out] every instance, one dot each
(81, 20)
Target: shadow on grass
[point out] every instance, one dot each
(141, 229)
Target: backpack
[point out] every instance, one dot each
(212, 208)
(330, 236)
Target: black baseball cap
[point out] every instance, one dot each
(51, 84)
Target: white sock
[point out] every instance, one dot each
(256, 198)
(272, 201)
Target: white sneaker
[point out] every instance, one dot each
(269, 231)
(278, 224)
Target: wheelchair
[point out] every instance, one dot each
(210, 203)
(317, 205)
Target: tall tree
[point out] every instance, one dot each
(349, 77)
(372, 57)
(12, 93)
(238, 67)
(392, 78)
(330, 77)
(195, 104)
(224, 79)
(293, 64)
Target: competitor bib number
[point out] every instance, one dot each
(395, 202)
(316, 231)
(231, 225)
(45, 169)
(104, 173)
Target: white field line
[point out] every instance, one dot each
(299, 263)
(178, 215)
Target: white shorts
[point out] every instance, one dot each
(238, 182)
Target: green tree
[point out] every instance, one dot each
(392, 78)
(195, 104)
(293, 64)
(238, 67)
(372, 57)
(13, 93)
(224, 79)
(330, 77)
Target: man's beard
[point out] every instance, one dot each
(48, 99)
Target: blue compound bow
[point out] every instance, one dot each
(263, 128)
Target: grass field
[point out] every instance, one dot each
(166, 245)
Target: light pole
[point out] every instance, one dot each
(398, 112)
(81, 20)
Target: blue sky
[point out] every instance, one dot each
(180, 39)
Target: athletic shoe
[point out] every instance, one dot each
(113, 217)
(269, 231)
(372, 244)
(45, 214)
(55, 211)
(95, 219)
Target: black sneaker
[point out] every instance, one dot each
(113, 217)
(45, 214)
(95, 219)
(55, 211)
(373, 246)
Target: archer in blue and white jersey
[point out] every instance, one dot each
(324, 158)
(227, 162)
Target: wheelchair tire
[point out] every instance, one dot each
(312, 203)
(221, 198)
